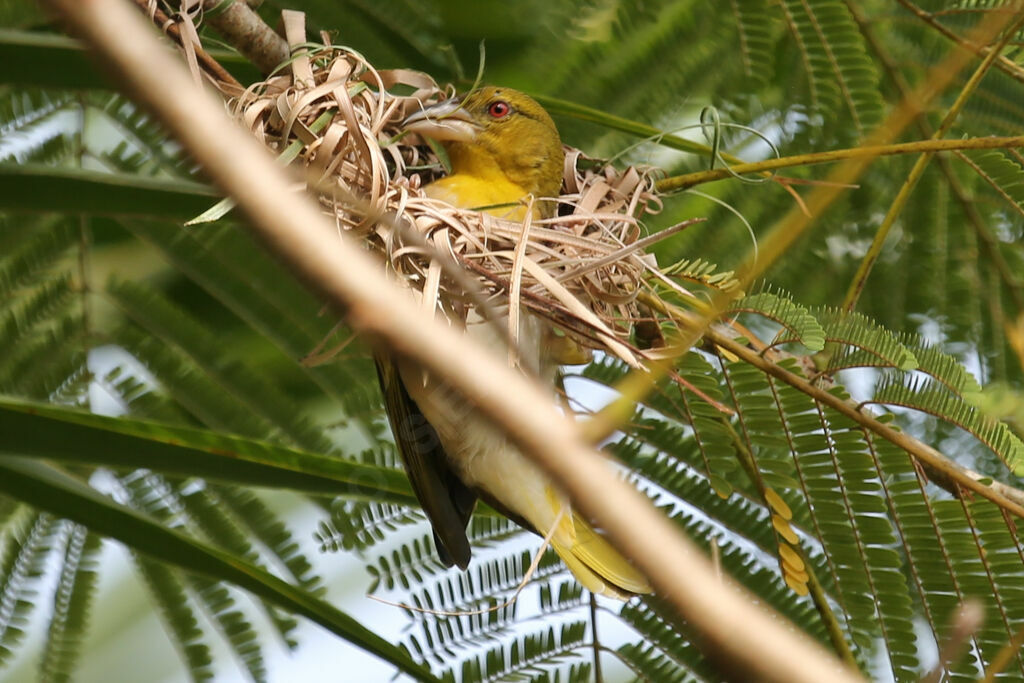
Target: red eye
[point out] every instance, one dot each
(499, 109)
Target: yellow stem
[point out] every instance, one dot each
(922, 452)
(1006, 497)
(860, 279)
(681, 182)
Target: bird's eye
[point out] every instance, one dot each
(499, 109)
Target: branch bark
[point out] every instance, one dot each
(757, 641)
(247, 33)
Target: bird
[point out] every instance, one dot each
(506, 156)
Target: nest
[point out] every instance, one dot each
(581, 269)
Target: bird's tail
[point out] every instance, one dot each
(598, 566)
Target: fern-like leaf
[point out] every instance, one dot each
(1004, 175)
(801, 325)
(22, 567)
(841, 76)
(73, 598)
(929, 397)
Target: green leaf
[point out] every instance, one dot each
(797, 320)
(59, 493)
(82, 438)
(25, 187)
(46, 60)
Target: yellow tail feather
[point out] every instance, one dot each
(598, 566)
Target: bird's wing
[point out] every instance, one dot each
(446, 500)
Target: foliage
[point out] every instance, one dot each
(796, 474)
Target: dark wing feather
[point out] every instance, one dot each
(446, 500)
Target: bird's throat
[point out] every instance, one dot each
(480, 162)
(478, 182)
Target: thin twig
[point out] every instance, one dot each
(903, 195)
(822, 603)
(966, 621)
(1005, 496)
(681, 182)
(596, 644)
(988, 240)
(1004, 64)
(926, 454)
(210, 65)
(787, 230)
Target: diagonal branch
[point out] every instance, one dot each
(1006, 497)
(1004, 64)
(681, 182)
(246, 32)
(210, 65)
(899, 202)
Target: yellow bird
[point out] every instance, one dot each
(504, 149)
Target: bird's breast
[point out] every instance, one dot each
(495, 194)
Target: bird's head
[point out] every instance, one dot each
(497, 128)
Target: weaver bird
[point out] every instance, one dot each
(504, 149)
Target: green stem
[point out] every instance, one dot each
(681, 182)
(828, 617)
(988, 240)
(1010, 68)
(820, 599)
(598, 676)
(584, 113)
(860, 279)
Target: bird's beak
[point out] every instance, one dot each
(443, 121)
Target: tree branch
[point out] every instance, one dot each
(210, 65)
(244, 30)
(1006, 497)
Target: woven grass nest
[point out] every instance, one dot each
(581, 269)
